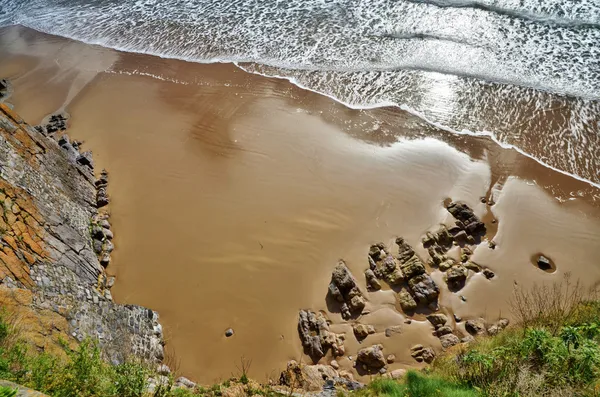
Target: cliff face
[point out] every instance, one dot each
(50, 274)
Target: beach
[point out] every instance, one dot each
(234, 195)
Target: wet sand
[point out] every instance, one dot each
(234, 196)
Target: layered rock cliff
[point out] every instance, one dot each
(50, 273)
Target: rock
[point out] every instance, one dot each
(376, 251)
(488, 274)
(163, 369)
(457, 318)
(390, 359)
(397, 374)
(107, 246)
(405, 251)
(467, 339)
(446, 264)
(407, 302)
(316, 337)
(101, 198)
(424, 288)
(473, 266)
(420, 353)
(344, 289)
(97, 245)
(85, 159)
(391, 331)
(371, 357)
(362, 331)
(544, 263)
(413, 267)
(347, 375)
(372, 281)
(449, 340)
(498, 326)
(492, 245)
(475, 326)
(105, 259)
(461, 237)
(390, 271)
(444, 330)
(307, 377)
(229, 332)
(184, 382)
(437, 319)
(334, 364)
(456, 277)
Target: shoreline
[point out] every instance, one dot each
(382, 105)
(238, 159)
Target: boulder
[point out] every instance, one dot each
(343, 288)
(407, 302)
(371, 357)
(473, 266)
(396, 374)
(183, 382)
(456, 276)
(390, 358)
(449, 340)
(437, 319)
(498, 326)
(316, 337)
(405, 251)
(444, 330)
(424, 288)
(420, 353)
(488, 274)
(446, 264)
(475, 326)
(412, 267)
(390, 271)
(362, 331)
(372, 281)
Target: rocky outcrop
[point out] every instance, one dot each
(422, 354)
(315, 378)
(48, 195)
(371, 358)
(345, 291)
(316, 337)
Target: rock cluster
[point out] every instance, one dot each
(102, 238)
(422, 354)
(4, 89)
(345, 291)
(405, 271)
(101, 186)
(316, 337)
(55, 123)
(371, 358)
(478, 326)
(46, 246)
(316, 378)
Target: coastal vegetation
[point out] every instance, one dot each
(554, 350)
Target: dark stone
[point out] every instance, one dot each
(488, 274)
(544, 263)
(424, 288)
(229, 332)
(85, 159)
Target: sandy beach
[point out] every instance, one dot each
(233, 196)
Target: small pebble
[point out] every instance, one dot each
(229, 332)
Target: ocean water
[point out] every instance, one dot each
(524, 72)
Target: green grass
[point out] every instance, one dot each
(417, 384)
